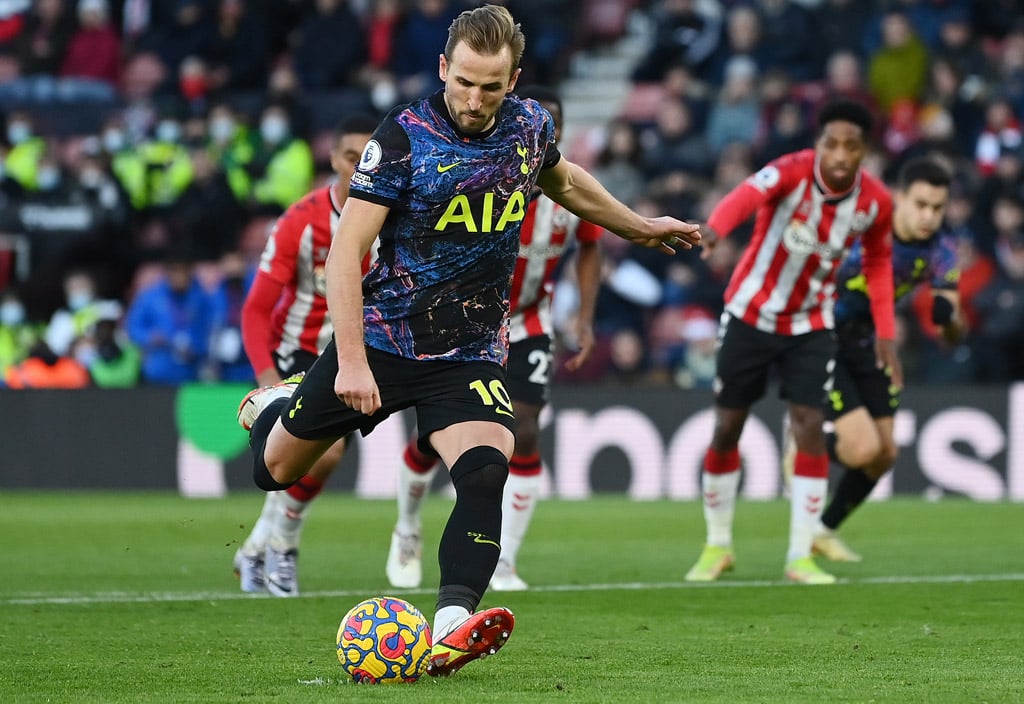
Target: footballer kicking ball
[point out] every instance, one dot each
(384, 640)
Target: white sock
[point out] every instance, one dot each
(256, 542)
(807, 501)
(719, 494)
(412, 489)
(446, 619)
(517, 504)
(287, 522)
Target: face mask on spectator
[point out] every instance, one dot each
(192, 87)
(12, 313)
(113, 140)
(77, 300)
(222, 129)
(18, 132)
(48, 178)
(273, 129)
(168, 131)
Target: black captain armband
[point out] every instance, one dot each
(942, 310)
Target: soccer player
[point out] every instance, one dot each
(811, 207)
(444, 184)
(548, 231)
(284, 326)
(863, 401)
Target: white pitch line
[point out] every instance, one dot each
(41, 598)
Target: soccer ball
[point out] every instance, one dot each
(384, 640)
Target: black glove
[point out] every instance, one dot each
(942, 310)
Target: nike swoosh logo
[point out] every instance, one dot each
(442, 169)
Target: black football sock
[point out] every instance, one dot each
(258, 440)
(854, 487)
(470, 546)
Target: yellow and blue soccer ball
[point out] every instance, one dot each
(384, 640)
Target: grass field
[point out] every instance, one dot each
(130, 598)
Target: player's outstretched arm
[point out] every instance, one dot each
(358, 227)
(569, 185)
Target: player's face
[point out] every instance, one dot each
(345, 155)
(841, 148)
(919, 210)
(475, 85)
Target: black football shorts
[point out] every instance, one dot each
(529, 370)
(747, 356)
(442, 392)
(859, 382)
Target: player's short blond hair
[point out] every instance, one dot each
(487, 30)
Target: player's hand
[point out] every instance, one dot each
(886, 358)
(667, 233)
(585, 341)
(709, 238)
(357, 388)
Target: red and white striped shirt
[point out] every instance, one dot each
(548, 231)
(292, 271)
(785, 280)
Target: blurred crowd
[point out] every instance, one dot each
(147, 147)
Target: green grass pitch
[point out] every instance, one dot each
(129, 597)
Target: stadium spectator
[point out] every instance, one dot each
(674, 143)
(685, 33)
(899, 69)
(43, 41)
(421, 31)
(742, 37)
(237, 55)
(839, 26)
(93, 58)
(111, 358)
(844, 78)
(207, 219)
(188, 31)
(620, 161)
(329, 46)
(786, 132)
(552, 27)
(44, 369)
(17, 332)
(26, 148)
(156, 172)
(282, 167)
(227, 352)
(1001, 134)
(1001, 303)
(1009, 67)
(736, 112)
(171, 321)
(958, 44)
(787, 38)
(194, 86)
(80, 311)
(232, 145)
